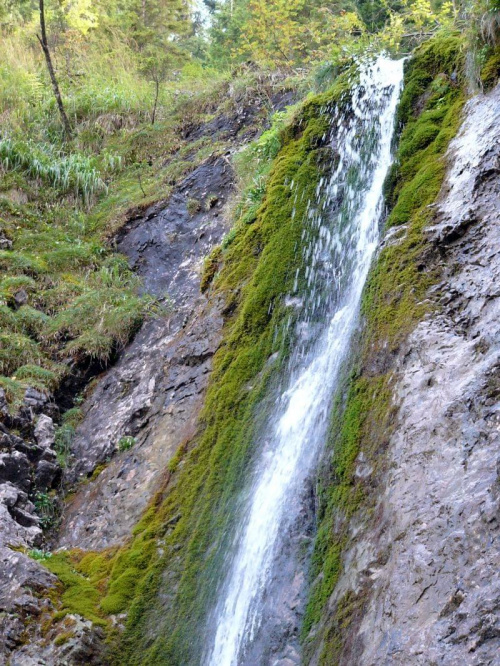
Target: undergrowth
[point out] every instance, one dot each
(64, 296)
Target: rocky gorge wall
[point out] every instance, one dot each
(429, 558)
(149, 400)
(405, 561)
(406, 513)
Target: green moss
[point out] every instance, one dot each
(394, 297)
(63, 638)
(98, 470)
(490, 72)
(444, 54)
(210, 268)
(346, 609)
(82, 577)
(394, 300)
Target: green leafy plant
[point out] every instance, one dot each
(126, 443)
(39, 555)
(74, 172)
(47, 508)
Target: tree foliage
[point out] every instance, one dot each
(294, 33)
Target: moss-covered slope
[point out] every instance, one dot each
(166, 576)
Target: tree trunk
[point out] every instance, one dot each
(157, 94)
(48, 59)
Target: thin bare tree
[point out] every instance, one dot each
(48, 59)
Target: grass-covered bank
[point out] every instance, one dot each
(394, 301)
(66, 298)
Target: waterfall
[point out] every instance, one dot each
(340, 237)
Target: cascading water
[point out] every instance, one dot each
(340, 237)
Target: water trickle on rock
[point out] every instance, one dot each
(340, 237)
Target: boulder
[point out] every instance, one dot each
(15, 467)
(44, 431)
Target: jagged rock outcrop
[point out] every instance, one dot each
(421, 583)
(28, 465)
(155, 391)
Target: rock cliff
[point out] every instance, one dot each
(423, 564)
(404, 515)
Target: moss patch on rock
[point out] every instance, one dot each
(490, 72)
(83, 577)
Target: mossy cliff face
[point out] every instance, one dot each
(161, 584)
(194, 518)
(166, 576)
(350, 550)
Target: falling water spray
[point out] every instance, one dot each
(340, 237)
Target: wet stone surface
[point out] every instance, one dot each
(155, 391)
(427, 560)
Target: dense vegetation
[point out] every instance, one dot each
(127, 72)
(132, 76)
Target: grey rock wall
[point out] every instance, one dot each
(427, 558)
(155, 391)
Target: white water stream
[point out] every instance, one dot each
(340, 238)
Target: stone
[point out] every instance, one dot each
(15, 467)
(83, 644)
(20, 298)
(155, 391)
(5, 243)
(44, 431)
(46, 473)
(24, 586)
(4, 407)
(19, 524)
(35, 399)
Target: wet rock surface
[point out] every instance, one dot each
(426, 562)
(155, 391)
(277, 639)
